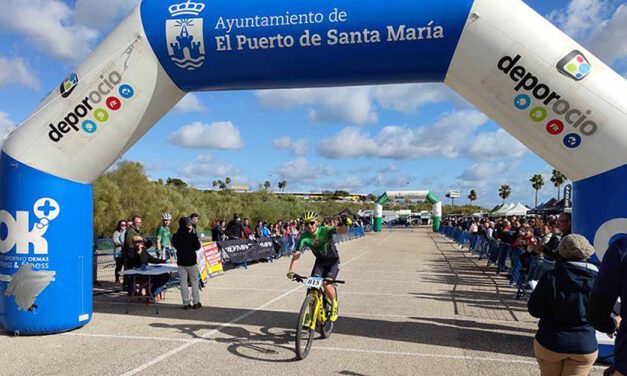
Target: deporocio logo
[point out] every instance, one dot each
(94, 110)
(547, 107)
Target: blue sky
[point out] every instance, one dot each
(302, 135)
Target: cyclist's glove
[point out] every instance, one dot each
(290, 275)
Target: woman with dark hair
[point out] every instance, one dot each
(118, 241)
(186, 243)
(565, 343)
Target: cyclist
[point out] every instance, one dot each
(320, 240)
(164, 237)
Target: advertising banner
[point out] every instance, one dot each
(213, 258)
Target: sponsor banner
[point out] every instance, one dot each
(235, 250)
(98, 111)
(263, 248)
(248, 44)
(46, 223)
(542, 87)
(213, 258)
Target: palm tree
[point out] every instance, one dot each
(504, 192)
(227, 180)
(214, 184)
(284, 185)
(558, 179)
(537, 182)
(472, 196)
(267, 185)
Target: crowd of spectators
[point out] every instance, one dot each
(536, 236)
(574, 299)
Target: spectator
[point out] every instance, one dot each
(132, 230)
(164, 237)
(565, 343)
(258, 230)
(246, 226)
(186, 244)
(195, 217)
(118, 242)
(235, 229)
(140, 257)
(560, 230)
(217, 232)
(611, 284)
(265, 232)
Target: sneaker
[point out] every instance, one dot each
(186, 307)
(196, 306)
(334, 314)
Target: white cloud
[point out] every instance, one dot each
(495, 145)
(609, 39)
(49, 25)
(17, 71)
(65, 31)
(190, 103)
(101, 14)
(349, 183)
(356, 105)
(447, 137)
(208, 166)
(599, 25)
(482, 172)
(299, 170)
(6, 127)
(408, 98)
(580, 16)
(297, 148)
(220, 135)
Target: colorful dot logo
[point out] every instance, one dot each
(574, 65)
(89, 126)
(538, 114)
(572, 140)
(522, 102)
(101, 115)
(113, 103)
(126, 91)
(555, 127)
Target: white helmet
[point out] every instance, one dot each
(166, 216)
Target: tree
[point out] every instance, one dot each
(267, 185)
(504, 192)
(537, 182)
(341, 193)
(472, 196)
(227, 180)
(176, 182)
(215, 184)
(282, 184)
(558, 179)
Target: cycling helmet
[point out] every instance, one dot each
(166, 216)
(310, 216)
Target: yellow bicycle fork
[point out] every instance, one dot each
(318, 313)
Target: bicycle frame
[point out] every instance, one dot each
(319, 313)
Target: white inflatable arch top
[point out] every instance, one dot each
(541, 86)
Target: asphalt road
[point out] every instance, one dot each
(414, 304)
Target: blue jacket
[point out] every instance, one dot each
(612, 284)
(560, 300)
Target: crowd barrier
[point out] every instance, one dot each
(523, 269)
(238, 253)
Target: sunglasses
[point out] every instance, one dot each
(311, 223)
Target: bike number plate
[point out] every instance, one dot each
(314, 283)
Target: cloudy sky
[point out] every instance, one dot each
(361, 139)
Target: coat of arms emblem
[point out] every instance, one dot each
(184, 35)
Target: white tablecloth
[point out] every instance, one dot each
(152, 269)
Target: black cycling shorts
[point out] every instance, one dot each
(327, 268)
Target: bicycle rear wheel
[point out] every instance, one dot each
(304, 333)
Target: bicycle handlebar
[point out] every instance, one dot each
(300, 278)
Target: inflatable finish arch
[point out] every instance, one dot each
(410, 195)
(545, 89)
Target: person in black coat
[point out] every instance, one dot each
(566, 343)
(139, 257)
(186, 244)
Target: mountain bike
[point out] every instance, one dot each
(314, 314)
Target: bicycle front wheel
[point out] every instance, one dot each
(304, 333)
